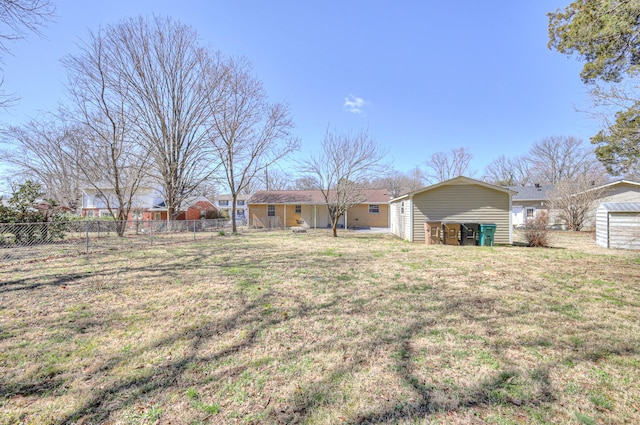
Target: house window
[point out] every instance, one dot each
(298, 209)
(240, 203)
(240, 213)
(203, 214)
(271, 210)
(530, 212)
(157, 216)
(402, 208)
(88, 213)
(105, 213)
(374, 209)
(223, 202)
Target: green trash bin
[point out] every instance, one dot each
(486, 233)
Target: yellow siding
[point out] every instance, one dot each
(292, 219)
(463, 203)
(258, 214)
(359, 216)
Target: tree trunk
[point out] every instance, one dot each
(234, 227)
(335, 229)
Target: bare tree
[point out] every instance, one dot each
(447, 165)
(113, 162)
(417, 179)
(562, 158)
(574, 201)
(248, 134)
(276, 179)
(398, 183)
(305, 183)
(343, 163)
(44, 150)
(504, 171)
(209, 189)
(162, 73)
(17, 19)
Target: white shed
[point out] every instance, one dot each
(618, 225)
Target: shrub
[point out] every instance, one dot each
(536, 230)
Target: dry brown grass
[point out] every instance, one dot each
(303, 328)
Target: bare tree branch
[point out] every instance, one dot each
(113, 162)
(574, 201)
(339, 169)
(248, 134)
(508, 171)
(17, 19)
(447, 165)
(162, 71)
(559, 158)
(45, 150)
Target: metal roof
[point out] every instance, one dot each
(620, 206)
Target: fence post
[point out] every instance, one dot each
(151, 224)
(194, 230)
(86, 226)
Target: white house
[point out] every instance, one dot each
(224, 204)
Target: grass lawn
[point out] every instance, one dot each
(283, 328)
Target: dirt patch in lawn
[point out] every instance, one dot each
(304, 328)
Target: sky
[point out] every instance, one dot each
(420, 76)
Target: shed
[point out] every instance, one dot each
(461, 199)
(618, 225)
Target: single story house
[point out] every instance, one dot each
(618, 225)
(308, 209)
(461, 199)
(529, 201)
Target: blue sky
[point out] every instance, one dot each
(422, 76)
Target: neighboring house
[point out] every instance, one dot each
(461, 200)
(621, 191)
(147, 205)
(529, 201)
(224, 204)
(618, 225)
(307, 208)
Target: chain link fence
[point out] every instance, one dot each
(30, 241)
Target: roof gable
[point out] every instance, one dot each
(460, 180)
(615, 183)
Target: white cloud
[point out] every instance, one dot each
(354, 104)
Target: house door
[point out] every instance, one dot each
(517, 215)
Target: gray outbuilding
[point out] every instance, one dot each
(618, 225)
(461, 200)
